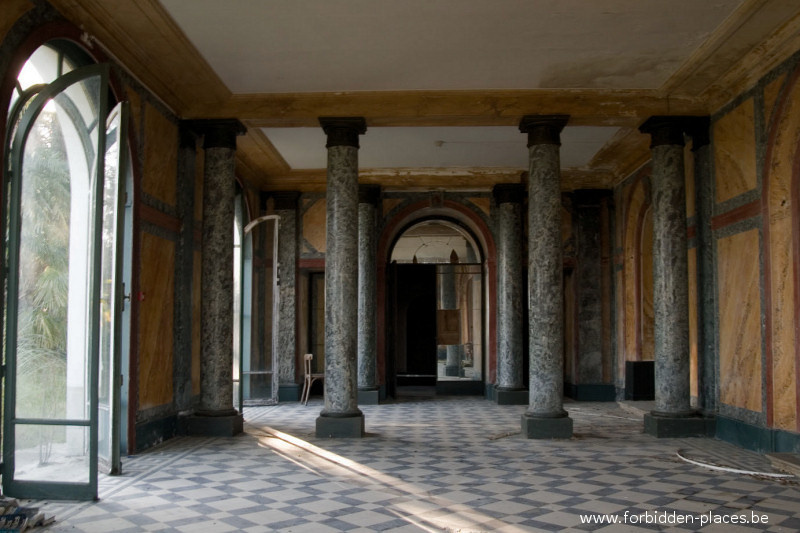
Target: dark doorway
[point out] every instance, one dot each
(416, 342)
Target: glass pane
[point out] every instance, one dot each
(51, 453)
(108, 293)
(41, 67)
(459, 319)
(54, 251)
(258, 373)
(237, 297)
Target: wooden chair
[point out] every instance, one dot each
(309, 378)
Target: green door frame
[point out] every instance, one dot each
(37, 488)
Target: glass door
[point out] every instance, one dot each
(111, 291)
(258, 365)
(54, 233)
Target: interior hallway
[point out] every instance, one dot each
(444, 464)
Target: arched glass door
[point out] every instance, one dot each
(61, 330)
(256, 302)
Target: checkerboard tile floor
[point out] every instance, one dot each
(444, 464)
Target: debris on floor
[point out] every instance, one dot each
(16, 518)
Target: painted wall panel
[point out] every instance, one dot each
(740, 320)
(160, 156)
(735, 152)
(314, 225)
(156, 322)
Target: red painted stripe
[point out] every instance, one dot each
(743, 212)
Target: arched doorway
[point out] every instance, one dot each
(65, 225)
(436, 320)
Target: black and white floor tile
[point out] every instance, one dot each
(433, 464)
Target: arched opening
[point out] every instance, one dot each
(66, 170)
(436, 310)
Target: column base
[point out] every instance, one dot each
(212, 425)
(511, 396)
(665, 426)
(368, 396)
(344, 427)
(546, 428)
(451, 371)
(288, 392)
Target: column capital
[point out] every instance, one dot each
(700, 131)
(218, 133)
(285, 200)
(369, 194)
(187, 135)
(666, 129)
(508, 193)
(343, 131)
(543, 129)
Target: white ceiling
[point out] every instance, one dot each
(437, 147)
(307, 46)
(287, 46)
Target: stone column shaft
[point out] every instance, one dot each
(369, 196)
(670, 272)
(673, 412)
(510, 288)
(545, 417)
(286, 208)
(704, 202)
(341, 416)
(184, 268)
(216, 366)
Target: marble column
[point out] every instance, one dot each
(184, 269)
(706, 304)
(216, 415)
(545, 417)
(368, 198)
(673, 415)
(341, 416)
(510, 388)
(286, 208)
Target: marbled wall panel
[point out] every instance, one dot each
(159, 178)
(783, 323)
(135, 106)
(771, 94)
(739, 320)
(391, 203)
(12, 11)
(199, 172)
(688, 170)
(156, 321)
(566, 225)
(783, 320)
(484, 204)
(630, 223)
(314, 220)
(570, 355)
(693, 326)
(735, 152)
(647, 309)
(197, 294)
(619, 298)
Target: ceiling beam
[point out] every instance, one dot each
(595, 107)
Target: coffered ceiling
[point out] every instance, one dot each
(441, 83)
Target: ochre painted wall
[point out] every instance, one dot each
(739, 320)
(781, 235)
(156, 322)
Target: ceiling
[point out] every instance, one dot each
(441, 83)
